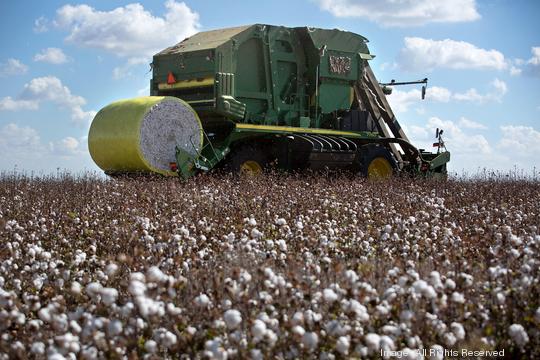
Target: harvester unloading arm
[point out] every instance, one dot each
(371, 96)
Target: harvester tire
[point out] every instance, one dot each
(248, 160)
(376, 161)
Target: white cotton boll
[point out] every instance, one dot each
(154, 274)
(297, 318)
(38, 283)
(38, 348)
(515, 240)
(449, 339)
(436, 352)
(435, 279)
(343, 344)
(282, 245)
(450, 284)
(150, 346)
(406, 316)
(537, 315)
(386, 343)
(76, 288)
(232, 318)
(169, 339)
(500, 298)
(109, 295)
(202, 300)
(281, 222)
(93, 289)
(271, 337)
(299, 225)
(137, 288)
(258, 330)
(45, 314)
(360, 311)
(387, 229)
(329, 295)
(298, 330)
(256, 234)
(310, 340)
(114, 327)
(252, 222)
(256, 354)
(372, 341)
(351, 276)
(518, 334)
(458, 297)
(75, 326)
(458, 330)
(111, 269)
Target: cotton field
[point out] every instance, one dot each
(277, 266)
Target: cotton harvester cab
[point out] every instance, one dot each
(257, 96)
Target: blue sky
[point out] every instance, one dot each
(60, 62)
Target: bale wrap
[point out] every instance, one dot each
(140, 135)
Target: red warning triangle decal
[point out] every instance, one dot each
(170, 78)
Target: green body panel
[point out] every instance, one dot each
(280, 74)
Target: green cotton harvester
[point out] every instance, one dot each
(259, 96)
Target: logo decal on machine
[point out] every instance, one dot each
(340, 65)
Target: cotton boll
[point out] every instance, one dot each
(202, 300)
(154, 274)
(137, 288)
(232, 318)
(458, 297)
(436, 352)
(372, 341)
(150, 346)
(343, 344)
(449, 339)
(114, 327)
(258, 330)
(458, 330)
(329, 295)
(518, 334)
(109, 295)
(310, 340)
(298, 330)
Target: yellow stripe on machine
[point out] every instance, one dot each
(290, 129)
(186, 84)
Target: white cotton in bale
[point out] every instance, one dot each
(166, 125)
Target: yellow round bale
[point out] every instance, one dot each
(141, 134)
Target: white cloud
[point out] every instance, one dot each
(400, 101)
(66, 147)
(460, 141)
(10, 104)
(41, 25)
(52, 56)
(469, 124)
(499, 89)
(520, 140)
(12, 67)
(49, 88)
(517, 147)
(129, 31)
(23, 148)
(404, 12)
(427, 54)
(124, 71)
(514, 71)
(18, 140)
(532, 67)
